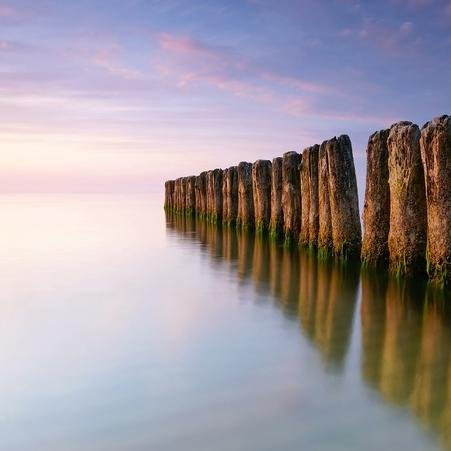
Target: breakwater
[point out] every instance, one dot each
(407, 210)
(310, 198)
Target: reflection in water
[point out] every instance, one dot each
(322, 295)
(406, 353)
(405, 331)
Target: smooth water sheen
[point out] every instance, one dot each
(123, 331)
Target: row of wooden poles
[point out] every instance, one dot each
(311, 198)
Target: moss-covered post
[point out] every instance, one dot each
(177, 195)
(291, 196)
(201, 194)
(407, 234)
(197, 195)
(276, 222)
(261, 189)
(435, 146)
(245, 217)
(376, 210)
(305, 198)
(183, 192)
(344, 203)
(325, 223)
(309, 197)
(217, 213)
(168, 195)
(214, 195)
(230, 196)
(190, 195)
(210, 195)
(225, 202)
(313, 225)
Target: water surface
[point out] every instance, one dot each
(125, 330)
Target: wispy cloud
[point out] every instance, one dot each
(190, 61)
(385, 36)
(8, 11)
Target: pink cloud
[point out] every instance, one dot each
(105, 60)
(298, 107)
(297, 83)
(7, 11)
(190, 62)
(185, 45)
(105, 55)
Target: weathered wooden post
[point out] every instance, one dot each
(230, 195)
(177, 195)
(225, 206)
(344, 203)
(261, 189)
(291, 196)
(305, 198)
(214, 195)
(407, 234)
(190, 195)
(435, 145)
(276, 222)
(376, 210)
(183, 191)
(201, 194)
(325, 223)
(309, 197)
(210, 194)
(245, 218)
(197, 188)
(313, 204)
(168, 195)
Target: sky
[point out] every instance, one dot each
(120, 95)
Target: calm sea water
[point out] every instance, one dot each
(124, 330)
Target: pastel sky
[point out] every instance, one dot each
(119, 95)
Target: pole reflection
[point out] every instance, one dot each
(405, 326)
(406, 349)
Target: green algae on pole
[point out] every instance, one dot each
(214, 195)
(230, 196)
(325, 224)
(291, 196)
(190, 205)
(435, 146)
(169, 195)
(313, 204)
(183, 189)
(407, 234)
(177, 195)
(376, 210)
(224, 194)
(344, 203)
(305, 198)
(201, 194)
(245, 216)
(276, 221)
(261, 190)
(309, 197)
